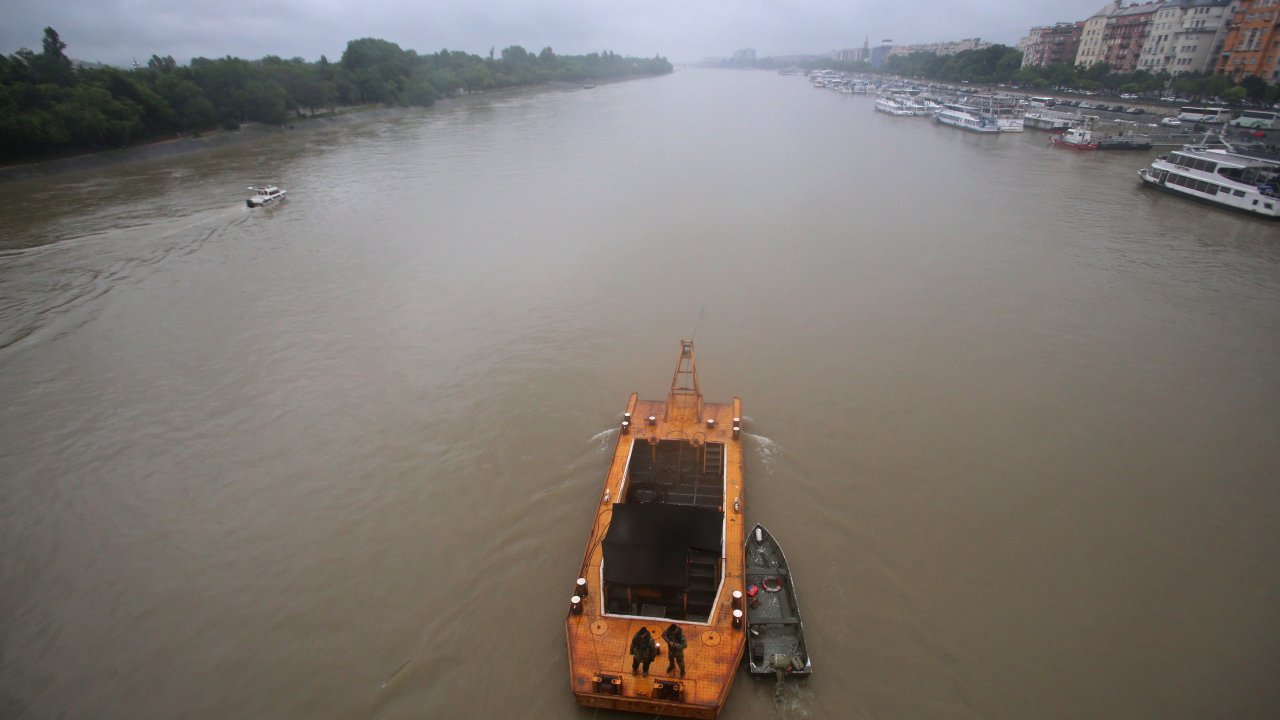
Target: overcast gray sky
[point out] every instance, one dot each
(118, 31)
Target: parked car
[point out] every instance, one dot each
(1135, 111)
(1170, 122)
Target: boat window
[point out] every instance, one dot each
(1238, 193)
(1193, 163)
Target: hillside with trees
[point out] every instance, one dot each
(51, 107)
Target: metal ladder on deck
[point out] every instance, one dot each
(712, 459)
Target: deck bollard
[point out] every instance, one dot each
(575, 604)
(582, 587)
(737, 619)
(737, 599)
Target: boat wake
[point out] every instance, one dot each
(33, 306)
(795, 700)
(606, 439)
(766, 449)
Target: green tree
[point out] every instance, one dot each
(164, 64)
(418, 90)
(1255, 87)
(192, 110)
(92, 117)
(262, 101)
(51, 65)
(378, 69)
(1216, 85)
(47, 106)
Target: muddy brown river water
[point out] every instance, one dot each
(1013, 417)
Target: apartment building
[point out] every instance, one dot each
(1125, 34)
(1052, 45)
(1187, 36)
(1252, 44)
(1092, 50)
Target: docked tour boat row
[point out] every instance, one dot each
(1223, 175)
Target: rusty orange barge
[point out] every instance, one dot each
(666, 547)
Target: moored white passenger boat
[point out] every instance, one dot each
(924, 106)
(897, 105)
(1007, 111)
(1049, 120)
(1234, 180)
(1011, 123)
(1076, 138)
(966, 117)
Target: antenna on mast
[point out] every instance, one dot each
(698, 325)
(685, 395)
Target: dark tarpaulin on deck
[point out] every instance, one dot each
(648, 543)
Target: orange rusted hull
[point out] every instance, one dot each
(599, 630)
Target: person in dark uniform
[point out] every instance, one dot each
(675, 647)
(643, 650)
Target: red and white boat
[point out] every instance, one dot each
(1076, 139)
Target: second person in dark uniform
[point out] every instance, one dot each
(675, 647)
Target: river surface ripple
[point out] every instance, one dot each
(1012, 415)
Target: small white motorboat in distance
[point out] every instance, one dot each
(265, 196)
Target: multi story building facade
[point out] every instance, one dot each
(880, 54)
(1028, 43)
(1092, 50)
(1053, 45)
(945, 48)
(1187, 36)
(1125, 34)
(850, 55)
(1252, 45)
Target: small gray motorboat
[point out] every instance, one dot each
(775, 635)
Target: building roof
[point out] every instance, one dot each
(1138, 9)
(1107, 9)
(1188, 4)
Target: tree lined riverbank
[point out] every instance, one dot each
(192, 143)
(50, 108)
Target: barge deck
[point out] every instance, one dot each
(666, 547)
